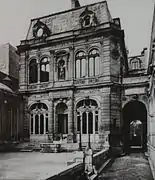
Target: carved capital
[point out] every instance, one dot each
(71, 48)
(52, 52)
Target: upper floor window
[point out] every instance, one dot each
(33, 71)
(135, 64)
(80, 69)
(93, 63)
(44, 70)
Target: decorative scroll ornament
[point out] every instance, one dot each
(40, 30)
(88, 19)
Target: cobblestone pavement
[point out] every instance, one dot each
(132, 167)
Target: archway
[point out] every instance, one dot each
(62, 118)
(134, 126)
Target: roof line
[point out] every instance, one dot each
(61, 12)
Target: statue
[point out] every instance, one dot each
(61, 69)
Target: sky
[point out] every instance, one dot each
(136, 18)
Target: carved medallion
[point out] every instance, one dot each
(40, 30)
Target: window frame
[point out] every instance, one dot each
(94, 56)
(80, 58)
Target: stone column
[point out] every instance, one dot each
(38, 72)
(70, 125)
(33, 123)
(70, 121)
(26, 119)
(71, 63)
(51, 119)
(51, 64)
(44, 123)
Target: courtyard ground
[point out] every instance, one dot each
(132, 167)
(32, 165)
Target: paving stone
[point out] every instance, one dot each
(132, 167)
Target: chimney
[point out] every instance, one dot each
(75, 4)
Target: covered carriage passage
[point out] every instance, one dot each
(135, 126)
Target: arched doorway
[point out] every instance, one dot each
(62, 118)
(134, 125)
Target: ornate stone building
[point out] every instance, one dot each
(135, 106)
(70, 65)
(151, 95)
(11, 125)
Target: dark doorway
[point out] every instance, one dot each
(134, 126)
(62, 118)
(62, 123)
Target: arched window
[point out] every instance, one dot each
(44, 70)
(39, 118)
(87, 116)
(33, 71)
(94, 63)
(80, 69)
(135, 64)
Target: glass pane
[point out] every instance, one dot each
(31, 124)
(90, 123)
(97, 66)
(78, 123)
(46, 124)
(47, 68)
(83, 68)
(84, 123)
(36, 124)
(65, 124)
(91, 66)
(96, 123)
(33, 72)
(42, 67)
(41, 124)
(78, 69)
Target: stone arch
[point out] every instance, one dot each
(38, 118)
(133, 112)
(94, 47)
(93, 98)
(35, 102)
(87, 116)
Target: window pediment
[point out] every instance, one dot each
(40, 30)
(88, 18)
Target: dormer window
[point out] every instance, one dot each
(88, 19)
(135, 64)
(40, 30)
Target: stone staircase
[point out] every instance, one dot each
(64, 146)
(28, 147)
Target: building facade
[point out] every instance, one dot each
(135, 104)
(70, 66)
(151, 96)
(11, 126)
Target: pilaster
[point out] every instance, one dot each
(51, 63)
